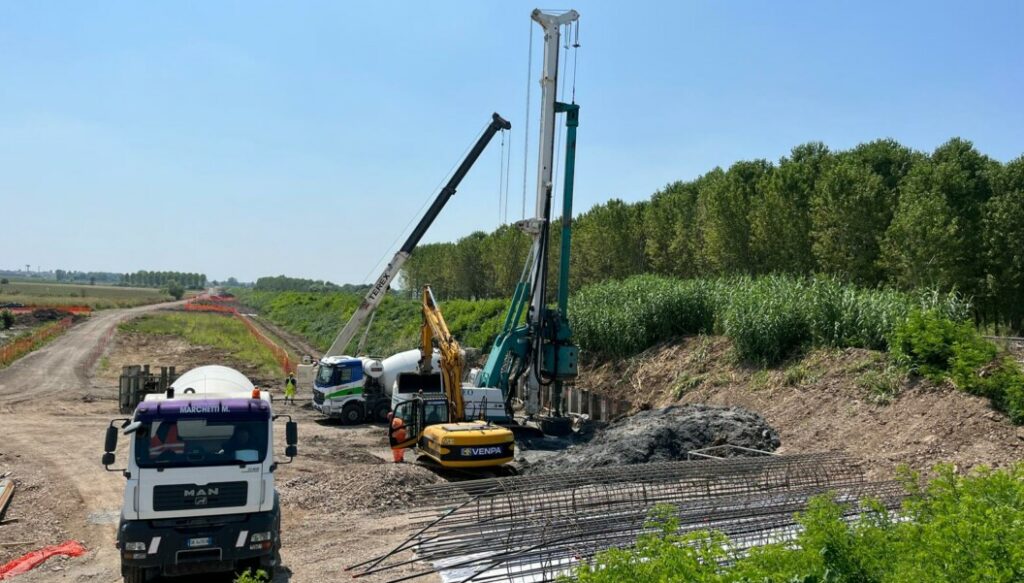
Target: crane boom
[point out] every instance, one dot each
(376, 294)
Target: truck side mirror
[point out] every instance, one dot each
(110, 444)
(291, 451)
(291, 433)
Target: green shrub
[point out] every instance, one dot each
(930, 344)
(250, 576)
(6, 319)
(955, 529)
(924, 343)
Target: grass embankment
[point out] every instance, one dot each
(98, 297)
(320, 316)
(213, 330)
(956, 529)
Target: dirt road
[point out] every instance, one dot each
(342, 502)
(51, 434)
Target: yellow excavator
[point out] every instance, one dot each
(435, 416)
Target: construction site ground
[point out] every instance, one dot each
(342, 503)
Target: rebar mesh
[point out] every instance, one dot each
(535, 528)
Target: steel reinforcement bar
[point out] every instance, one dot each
(538, 527)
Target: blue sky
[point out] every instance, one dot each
(255, 138)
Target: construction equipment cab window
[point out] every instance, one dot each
(346, 372)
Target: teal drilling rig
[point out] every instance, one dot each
(534, 351)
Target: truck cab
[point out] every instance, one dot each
(199, 494)
(358, 389)
(347, 387)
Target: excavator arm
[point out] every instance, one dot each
(435, 331)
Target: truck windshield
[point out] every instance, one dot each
(332, 375)
(197, 441)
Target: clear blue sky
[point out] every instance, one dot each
(250, 138)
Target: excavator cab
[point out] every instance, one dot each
(411, 413)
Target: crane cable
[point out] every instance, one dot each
(501, 182)
(575, 58)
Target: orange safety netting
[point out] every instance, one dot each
(86, 310)
(29, 561)
(16, 349)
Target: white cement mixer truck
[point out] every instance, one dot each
(199, 494)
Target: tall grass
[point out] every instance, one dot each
(767, 318)
(208, 329)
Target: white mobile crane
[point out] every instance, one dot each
(358, 388)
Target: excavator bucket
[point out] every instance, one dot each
(410, 383)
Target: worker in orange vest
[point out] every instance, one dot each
(398, 435)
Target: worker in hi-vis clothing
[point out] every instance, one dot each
(398, 434)
(289, 388)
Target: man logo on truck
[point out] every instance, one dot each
(202, 492)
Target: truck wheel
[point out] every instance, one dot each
(380, 412)
(351, 414)
(133, 575)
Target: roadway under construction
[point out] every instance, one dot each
(536, 528)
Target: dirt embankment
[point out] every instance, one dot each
(847, 400)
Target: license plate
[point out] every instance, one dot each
(203, 541)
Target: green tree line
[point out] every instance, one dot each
(879, 214)
(281, 283)
(164, 279)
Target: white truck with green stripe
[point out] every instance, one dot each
(347, 388)
(357, 389)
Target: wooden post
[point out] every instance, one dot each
(123, 388)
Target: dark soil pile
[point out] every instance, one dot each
(659, 435)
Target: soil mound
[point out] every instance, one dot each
(659, 435)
